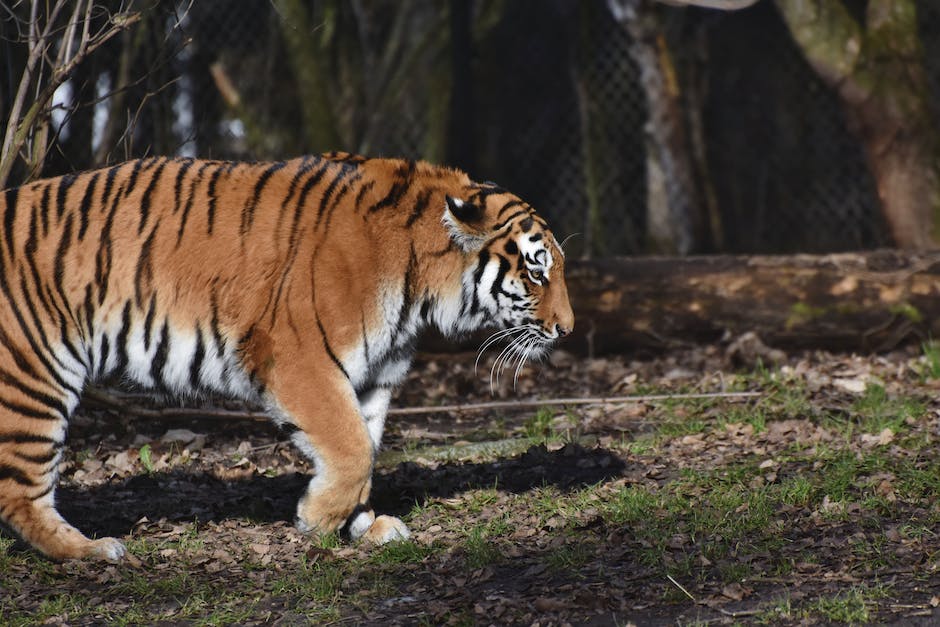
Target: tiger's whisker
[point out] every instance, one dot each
(522, 360)
(495, 337)
(494, 371)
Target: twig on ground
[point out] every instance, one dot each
(108, 399)
(681, 587)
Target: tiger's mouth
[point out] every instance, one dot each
(525, 342)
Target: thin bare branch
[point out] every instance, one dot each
(127, 405)
(723, 5)
(30, 128)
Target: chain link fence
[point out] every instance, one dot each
(544, 97)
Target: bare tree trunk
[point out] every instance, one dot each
(674, 222)
(878, 72)
(308, 59)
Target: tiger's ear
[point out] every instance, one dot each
(464, 222)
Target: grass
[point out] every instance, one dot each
(705, 518)
(876, 411)
(850, 606)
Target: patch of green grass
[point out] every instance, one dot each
(541, 425)
(796, 491)
(479, 548)
(781, 609)
(314, 588)
(850, 606)
(930, 361)
(876, 411)
(570, 557)
(405, 552)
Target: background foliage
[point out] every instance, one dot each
(545, 98)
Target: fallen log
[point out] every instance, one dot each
(849, 301)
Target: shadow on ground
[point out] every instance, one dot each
(181, 496)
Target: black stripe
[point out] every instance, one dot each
(66, 341)
(20, 437)
(214, 324)
(293, 243)
(398, 190)
(62, 193)
(65, 242)
(509, 205)
(145, 199)
(339, 196)
(42, 459)
(44, 209)
(159, 357)
(483, 259)
(361, 194)
(9, 216)
(85, 206)
(17, 475)
(108, 184)
(365, 336)
(49, 488)
(329, 350)
(407, 295)
(248, 213)
(497, 287)
(178, 185)
(103, 257)
(421, 205)
(195, 367)
(213, 199)
(89, 314)
(29, 412)
(328, 192)
(143, 271)
(310, 183)
(43, 339)
(132, 181)
(63, 312)
(305, 166)
(48, 400)
(103, 354)
(502, 224)
(189, 200)
(148, 320)
(121, 339)
(29, 249)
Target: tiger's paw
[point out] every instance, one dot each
(109, 549)
(385, 529)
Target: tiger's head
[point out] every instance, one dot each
(514, 277)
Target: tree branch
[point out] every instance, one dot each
(124, 405)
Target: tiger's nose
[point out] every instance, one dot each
(562, 330)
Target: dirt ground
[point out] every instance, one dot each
(812, 502)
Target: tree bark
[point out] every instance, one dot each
(878, 72)
(674, 210)
(868, 302)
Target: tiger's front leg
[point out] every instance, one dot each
(334, 435)
(364, 524)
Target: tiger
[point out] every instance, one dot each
(300, 285)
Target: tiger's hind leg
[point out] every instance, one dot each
(30, 451)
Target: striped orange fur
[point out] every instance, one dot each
(300, 284)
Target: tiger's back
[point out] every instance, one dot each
(252, 280)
